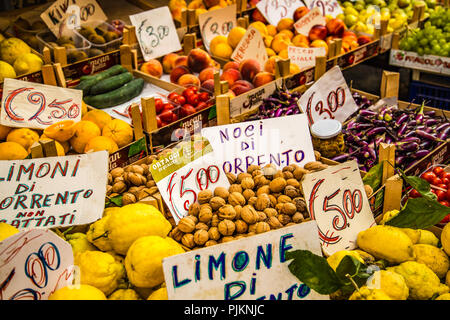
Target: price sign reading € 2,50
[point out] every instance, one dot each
(337, 200)
(184, 172)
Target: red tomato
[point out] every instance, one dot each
(193, 99)
(201, 106)
(172, 96)
(159, 105)
(441, 195)
(168, 106)
(445, 203)
(448, 194)
(203, 96)
(158, 121)
(445, 180)
(187, 109)
(166, 115)
(194, 88)
(442, 185)
(447, 175)
(180, 100)
(438, 171)
(414, 194)
(436, 181)
(429, 176)
(188, 92)
(174, 117)
(446, 219)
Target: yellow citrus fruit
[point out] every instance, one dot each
(271, 53)
(84, 108)
(12, 151)
(61, 130)
(78, 292)
(160, 294)
(120, 131)
(23, 136)
(235, 36)
(99, 117)
(101, 143)
(216, 40)
(7, 230)
(124, 294)
(445, 238)
(222, 50)
(260, 26)
(4, 130)
(84, 131)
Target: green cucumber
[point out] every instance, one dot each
(111, 83)
(114, 70)
(86, 85)
(116, 97)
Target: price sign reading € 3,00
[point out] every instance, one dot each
(184, 172)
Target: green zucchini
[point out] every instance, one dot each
(118, 96)
(86, 85)
(111, 83)
(114, 70)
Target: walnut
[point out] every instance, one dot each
(300, 203)
(200, 237)
(204, 196)
(271, 212)
(299, 173)
(249, 214)
(258, 172)
(368, 189)
(227, 212)
(247, 183)
(235, 188)
(264, 189)
(262, 227)
(253, 167)
(119, 187)
(248, 193)
(109, 190)
(136, 179)
(284, 219)
(128, 198)
(231, 177)
(201, 226)
(194, 209)
(269, 170)
(205, 214)
(274, 223)
(226, 227)
(252, 201)
(213, 233)
(119, 179)
(137, 169)
(288, 175)
(291, 191)
(261, 181)
(226, 239)
(289, 168)
(241, 176)
(293, 182)
(145, 167)
(277, 185)
(221, 192)
(261, 216)
(193, 218)
(215, 220)
(117, 172)
(283, 199)
(298, 217)
(216, 203)
(236, 198)
(252, 228)
(186, 225)
(110, 178)
(273, 200)
(238, 210)
(188, 240)
(315, 166)
(210, 243)
(278, 174)
(176, 234)
(262, 202)
(288, 208)
(241, 226)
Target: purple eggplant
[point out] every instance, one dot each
(442, 126)
(427, 135)
(421, 153)
(375, 131)
(443, 134)
(408, 147)
(402, 129)
(401, 119)
(367, 113)
(341, 157)
(431, 122)
(278, 113)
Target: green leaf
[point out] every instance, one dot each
(374, 176)
(379, 198)
(421, 185)
(348, 265)
(138, 146)
(314, 271)
(117, 201)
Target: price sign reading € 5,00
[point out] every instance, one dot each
(184, 172)
(217, 23)
(156, 32)
(337, 200)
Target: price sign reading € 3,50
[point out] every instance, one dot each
(184, 172)
(275, 10)
(327, 7)
(337, 200)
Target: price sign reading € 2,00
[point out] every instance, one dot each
(217, 23)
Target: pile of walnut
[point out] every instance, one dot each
(260, 200)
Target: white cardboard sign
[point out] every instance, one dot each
(35, 105)
(305, 57)
(252, 268)
(275, 10)
(312, 18)
(34, 264)
(217, 23)
(187, 170)
(281, 141)
(328, 98)
(54, 191)
(156, 32)
(337, 201)
(251, 46)
(327, 7)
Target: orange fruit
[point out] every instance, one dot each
(99, 117)
(23, 136)
(84, 131)
(120, 131)
(101, 143)
(12, 151)
(61, 130)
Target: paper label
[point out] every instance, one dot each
(251, 46)
(327, 7)
(312, 18)
(305, 57)
(275, 10)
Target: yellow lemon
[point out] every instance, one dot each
(61, 130)
(99, 117)
(80, 292)
(235, 36)
(84, 131)
(23, 136)
(12, 48)
(120, 131)
(98, 236)
(445, 239)
(101, 143)
(27, 63)
(7, 230)
(12, 151)
(160, 294)
(6, 71)
(124, 294)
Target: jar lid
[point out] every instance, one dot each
(326, 128)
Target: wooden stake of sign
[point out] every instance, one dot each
(223, 109)
(126, 59)
(243, 22)
(60, 75)
(137, 121)
(395, 40)
(331, 49)
(241, 5)
(383, 26)
(392, 193)
(418, 12)
(189, 42)
(217, 85)
(282, 68)
(48, 75)
(60, 55)
(389, 84)
(149, 114)
(46, 55)
(387, 152)
(129, 35)
(44, 149)
(320, 68)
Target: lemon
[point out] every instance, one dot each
(119, 131)
(12, 151)
(23, 136)
(336, 258)
(79, 243)
(84, 131)
(445, 296)
(100, 269)
(391, 283)
(433, 257)
(445, 239)
(124, 294)
(160, 294)
(365, 293)
(235, 35)
(133, 221)
(428, 237)
(81, 292)
(99, 117)
(12, 48)
(7, 230)
(143, 261)
(27, 63)
(61, 131)
(97, 235)
(6, 71)
(100, 143)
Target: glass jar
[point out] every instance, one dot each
(327, 137)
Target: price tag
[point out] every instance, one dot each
(328, 98)
(327, 7)
(35, 105)
(73, 17)
(57, 15)
(34, 264)
(386, 42)
(217, 23)
(305, 57)
(251, 46)
(275, 10)
(187, 170)
(156, 32)
(337, 201)
(305, 23)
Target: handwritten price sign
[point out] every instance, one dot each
(156, 32)
(186, 171)
(305, 23)
(33, 265)
(34, 105)
(327, 7)
(275, 10)
(328, 98)
(251, 46)
(337, 201)
(217, 23)
(305, 57)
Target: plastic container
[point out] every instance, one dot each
(435, 96)
(327, 137)
(101, 29)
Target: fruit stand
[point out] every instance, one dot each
(219, 150)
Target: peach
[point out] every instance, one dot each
(249, 68)
(262, 78)
(285, 23)
(152, 67)
(336, 27)
(231, 76)
(270, 65)
(318, 32)
(168, 62)
(230, 65)
(207, 73)
(280, 42)
(208, 85)
(177, 72)
(198, 59)
(319, 43)
(257, 16)
(289, 33)
(300, 12)
(270, 52)
(241, 86)
(349, 34)
(188, 80)
(300, 40)
(363, 40)
(180, 61)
